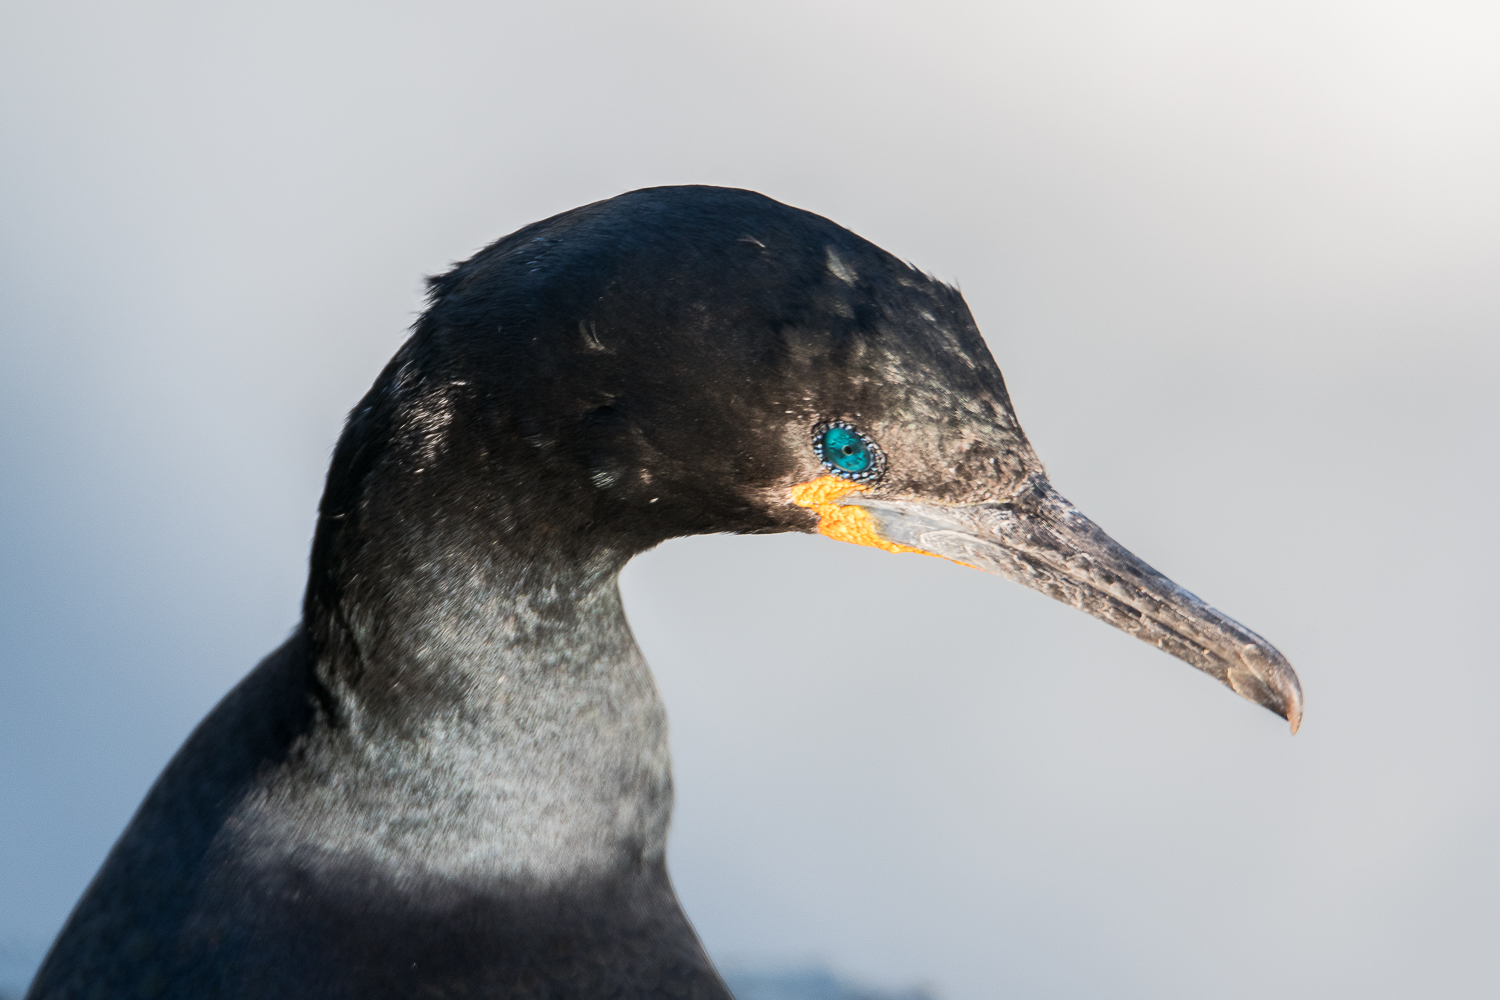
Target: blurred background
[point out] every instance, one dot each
(1240, 263)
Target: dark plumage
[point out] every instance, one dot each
(452, 780)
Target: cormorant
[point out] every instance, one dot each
(452, 780)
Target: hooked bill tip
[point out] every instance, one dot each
(1290, 696)
(1271, 684)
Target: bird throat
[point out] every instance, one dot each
(504, 727)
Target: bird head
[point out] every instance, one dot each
(686, 360)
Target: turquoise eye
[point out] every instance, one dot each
(847, 452)
(843, 448)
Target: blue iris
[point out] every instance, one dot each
(845, 448)
(848, 452)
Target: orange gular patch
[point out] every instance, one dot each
(844, 524)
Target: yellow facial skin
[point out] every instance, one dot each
(844, 524)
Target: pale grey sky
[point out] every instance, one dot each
(1238, 262)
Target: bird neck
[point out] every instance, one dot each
(490, 715)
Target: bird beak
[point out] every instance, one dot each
(1039, 539)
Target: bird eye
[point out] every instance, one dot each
(847, 452)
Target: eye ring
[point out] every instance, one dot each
(848, 452)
